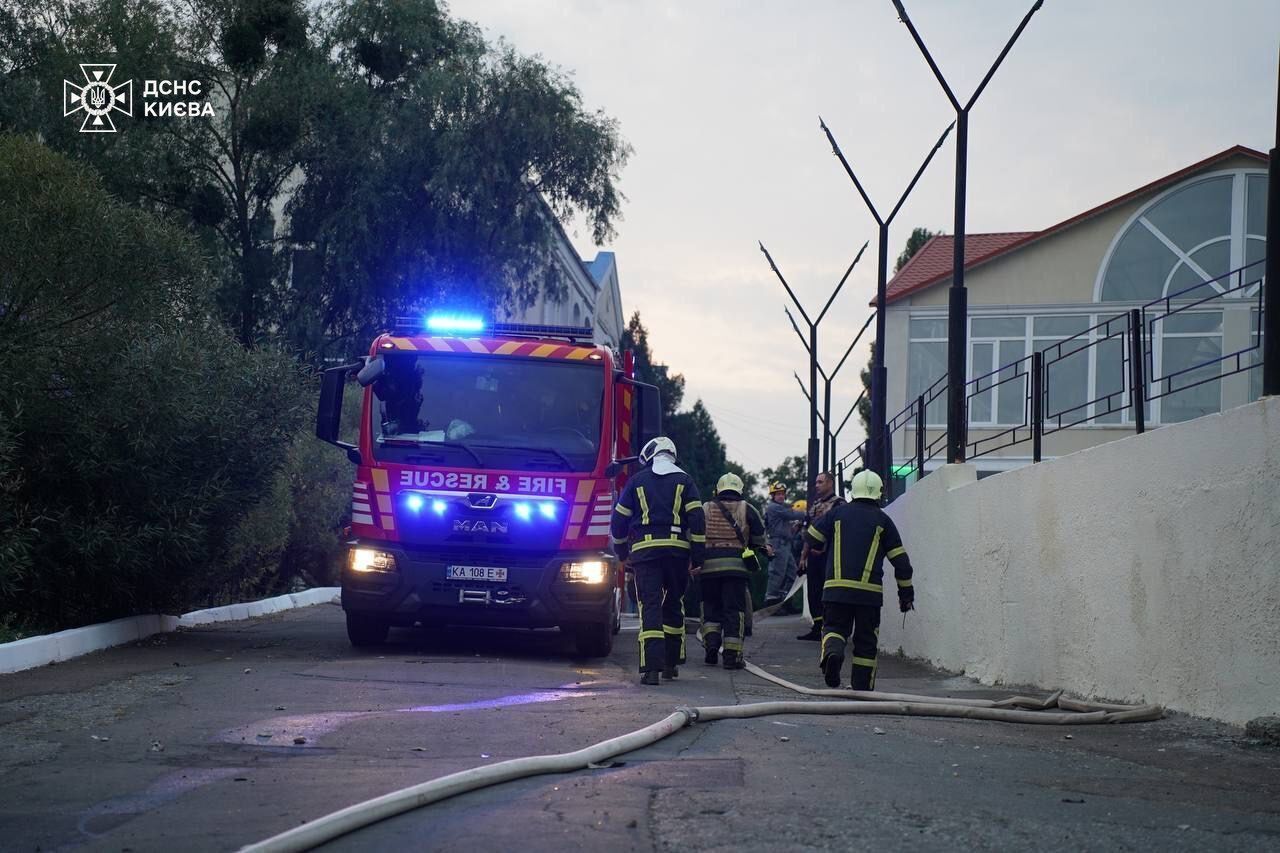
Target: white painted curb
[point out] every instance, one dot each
(31, 652)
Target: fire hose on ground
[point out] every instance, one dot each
(1015, 709)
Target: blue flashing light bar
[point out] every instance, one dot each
(438, 507)
(548, 510)
(446, 323)
(523, 511)
(455, 323)
(414, 502)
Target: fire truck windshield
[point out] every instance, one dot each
(488, 411)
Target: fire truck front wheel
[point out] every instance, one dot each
(593, 639)
(366, 630)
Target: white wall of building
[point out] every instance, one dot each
(1146, 569)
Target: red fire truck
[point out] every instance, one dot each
(487, 463)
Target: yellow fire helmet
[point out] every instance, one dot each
(801, 505)
(776, 487)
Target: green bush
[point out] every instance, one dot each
(148, 462)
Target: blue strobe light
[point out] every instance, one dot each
(414, 502)
(523, 511)
(439, 507)
(455, 323)
(547, 509)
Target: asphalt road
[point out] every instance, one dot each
(213, 738)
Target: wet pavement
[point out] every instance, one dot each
(212, 738)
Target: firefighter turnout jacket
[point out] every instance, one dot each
(858, 537)
(724, 555)
(658, 515)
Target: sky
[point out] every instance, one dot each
(720, 101)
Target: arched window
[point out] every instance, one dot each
(1192, 234)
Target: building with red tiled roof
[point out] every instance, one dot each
(1195, 233)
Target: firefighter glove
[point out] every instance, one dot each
(906, 603)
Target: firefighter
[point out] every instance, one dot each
(813, 564)
(797, 544)
(735, 531)
(860, 536)
(658, 524)
(780, 522)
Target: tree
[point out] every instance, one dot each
(792, 472)
(670, 386)
(437, 173)
(221, 174)
(915, 242)
(701, 451)
(363, 159)
(142, 449)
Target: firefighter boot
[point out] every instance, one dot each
(733, 660)
(671, 672)
(831, 667)
(710, 657)
(649, 678)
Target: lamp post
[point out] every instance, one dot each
(958, 307)
(880, 457)
(1271, 297)
(828, 442)
(812, 393)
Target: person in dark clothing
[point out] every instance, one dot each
(813, 564)
(859, 537)
(658, 525)
(735, 533)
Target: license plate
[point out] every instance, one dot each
(477, 573)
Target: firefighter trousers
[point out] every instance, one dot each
(815, 575)
(724, 615)
(859, 623)
(660, 586)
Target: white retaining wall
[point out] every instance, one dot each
(64, 645)
(1146, 569)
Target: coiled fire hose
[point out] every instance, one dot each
(1015, 709)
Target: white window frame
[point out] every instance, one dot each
(974, 373)
(1093, 318)
(1237, 233)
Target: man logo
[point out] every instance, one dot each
(97, 97)
(466, 525)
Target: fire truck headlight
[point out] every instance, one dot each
(368, 560)
(591, 571)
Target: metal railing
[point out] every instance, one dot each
(1126, 369)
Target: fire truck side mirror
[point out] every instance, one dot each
(373, 368)
(329, 412)
(617, 466)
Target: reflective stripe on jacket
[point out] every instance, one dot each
(658, 515)
(858, 537)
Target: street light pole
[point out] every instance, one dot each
(880, 460)
(812, 393)
(957, 316)
(828, 439)
(1271, 296)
